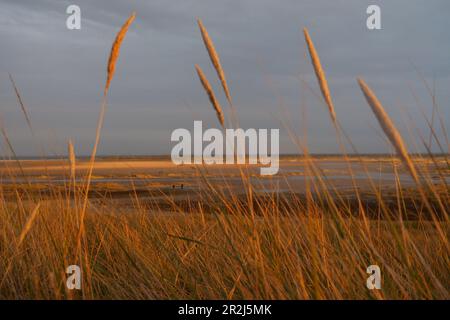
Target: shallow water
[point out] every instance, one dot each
(292, 176)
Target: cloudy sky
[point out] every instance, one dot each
(61, 72)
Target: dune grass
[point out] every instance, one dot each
(251, 249)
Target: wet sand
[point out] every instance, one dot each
(162, 174)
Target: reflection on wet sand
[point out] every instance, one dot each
(120, 175)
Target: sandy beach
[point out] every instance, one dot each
(150, 177)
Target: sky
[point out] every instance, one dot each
(61, 72)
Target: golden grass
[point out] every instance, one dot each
(389, 128)
(115, 51)
(28, 224)
(224, 245)
(232, 253)
(214, 56)
(22, 105)
(212, 98)
(113, 56)
(320, 74)
(72, 158)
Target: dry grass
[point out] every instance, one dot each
(72, 158)
(212, 98)
(115, 51)
(298, 252)
(113, 56)
(28, 224)
(214, 56)
(22, 105)
(389, 128)
(320, 74)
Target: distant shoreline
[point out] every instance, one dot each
(282, 156)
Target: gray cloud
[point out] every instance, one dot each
(61, 72)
